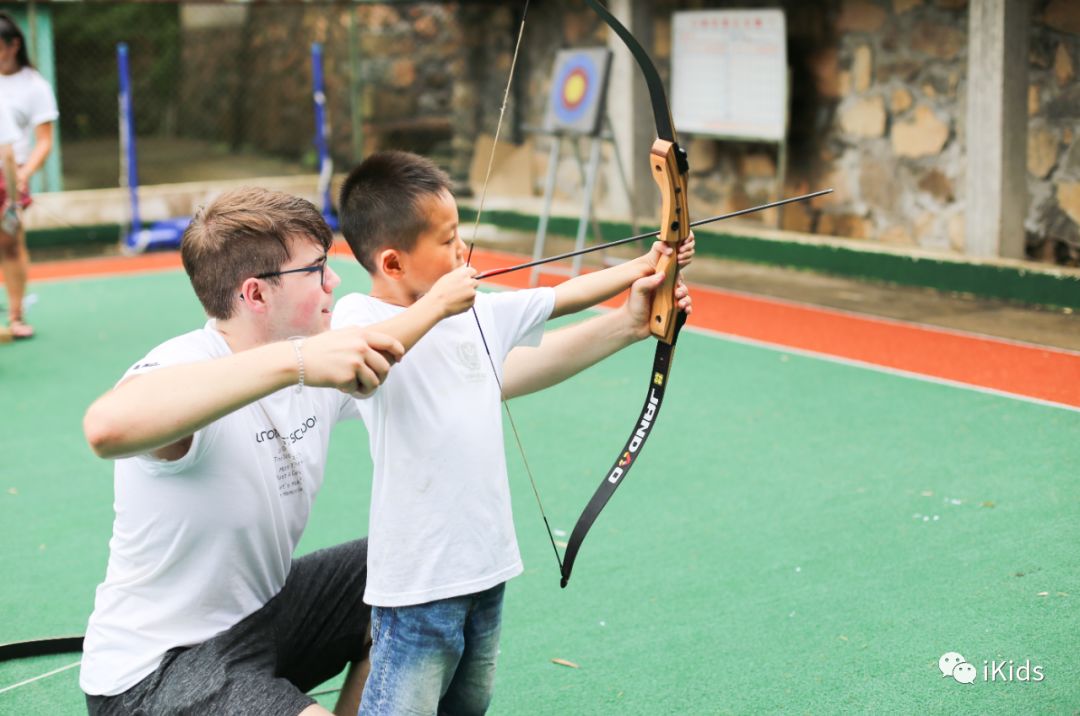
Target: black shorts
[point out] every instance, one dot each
(315, 626)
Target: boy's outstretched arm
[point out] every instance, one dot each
(590, 289)
(570, 350)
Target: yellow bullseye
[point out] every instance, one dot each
(574, 89)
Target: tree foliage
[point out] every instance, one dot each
(86, 36)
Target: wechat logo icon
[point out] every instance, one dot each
(954, 665)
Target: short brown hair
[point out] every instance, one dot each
(380, 202)
(242, 233)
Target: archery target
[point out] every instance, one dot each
(579, 83)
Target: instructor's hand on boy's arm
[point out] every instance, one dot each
(454, 292)
(351, 359)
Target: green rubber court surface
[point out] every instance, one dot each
(802, 535)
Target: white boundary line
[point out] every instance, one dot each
(40, 677)
(887, 320)
(781, 348)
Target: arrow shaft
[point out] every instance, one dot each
(648, 235)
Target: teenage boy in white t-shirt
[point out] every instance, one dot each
(220, 439)
(441, 544)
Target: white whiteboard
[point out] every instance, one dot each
(729, 73)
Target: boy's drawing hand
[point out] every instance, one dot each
(351, 359)
(455, 292)
(638, 306)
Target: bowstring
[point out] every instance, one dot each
(498, 126)
(476, 317)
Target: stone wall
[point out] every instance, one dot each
(877, 103)
(893, 150)
(1053, 219)
(391, 73)
(877, 113)
(883, 94)
(876, 97)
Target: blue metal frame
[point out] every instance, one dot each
(322, 133)
(163, 234)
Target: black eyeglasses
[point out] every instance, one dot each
(319, 266)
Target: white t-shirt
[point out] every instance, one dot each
(201, 542)
(9, 133)
(31, 102)
(440, 523)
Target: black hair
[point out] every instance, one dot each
(9, 32)
(380, 202)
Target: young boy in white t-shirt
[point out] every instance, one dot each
(442, 542)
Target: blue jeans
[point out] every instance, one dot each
(433, 658)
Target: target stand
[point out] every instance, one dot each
(576, 111)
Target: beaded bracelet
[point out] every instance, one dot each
(298, 344)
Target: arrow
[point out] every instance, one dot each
(639, 237)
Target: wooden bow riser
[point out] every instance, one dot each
(674, 227)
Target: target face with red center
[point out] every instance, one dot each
(576, 89)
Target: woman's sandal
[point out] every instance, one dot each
(19, 330)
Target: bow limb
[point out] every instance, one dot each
(669, 169)
(665, 128)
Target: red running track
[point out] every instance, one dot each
(1021, 369)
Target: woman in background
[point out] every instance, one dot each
(31, 103)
